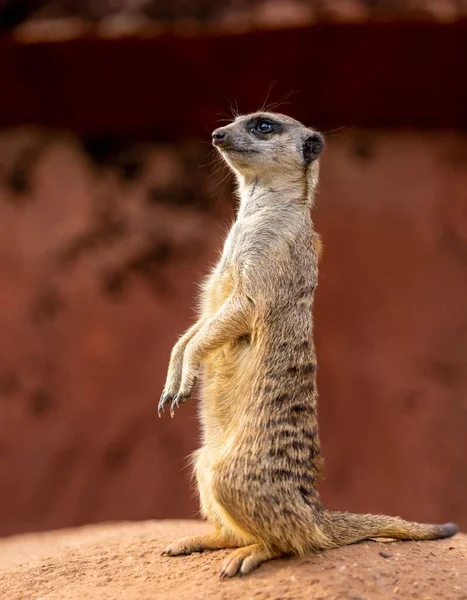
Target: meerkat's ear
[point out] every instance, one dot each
(313, 145)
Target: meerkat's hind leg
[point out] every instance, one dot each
(244, 560)
(217, 540)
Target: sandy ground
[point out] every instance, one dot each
(123, 562)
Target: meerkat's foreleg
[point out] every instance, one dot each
(230, 322)
(174, 373)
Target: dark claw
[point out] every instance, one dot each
(223, 575)
(177, 400)
(174, 405)
(162, 402)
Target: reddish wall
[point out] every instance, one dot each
(98, 274)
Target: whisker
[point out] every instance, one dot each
(233, 108)
(333, 130)
(268, 93)
(224, 120)
(223, 178)
(272, 106)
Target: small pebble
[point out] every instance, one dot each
(385, 555)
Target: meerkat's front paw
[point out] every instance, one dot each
(181, 380)
(174, 399)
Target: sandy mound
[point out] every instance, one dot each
(123, 562)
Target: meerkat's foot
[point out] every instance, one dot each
(244, 560)
(199, 543)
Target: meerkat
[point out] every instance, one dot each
(253, 350)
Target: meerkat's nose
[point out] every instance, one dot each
(219, 136)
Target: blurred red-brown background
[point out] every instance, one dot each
(112, 208)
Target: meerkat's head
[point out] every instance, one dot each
(270, 148)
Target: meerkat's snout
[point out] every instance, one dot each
(219, 136)
(312, 147)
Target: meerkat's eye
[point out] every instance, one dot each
(264, 127)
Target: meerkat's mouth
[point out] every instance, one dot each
(229, 150)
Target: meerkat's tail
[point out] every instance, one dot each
(347, 528)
